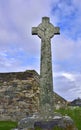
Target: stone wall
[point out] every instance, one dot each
(59, 101)
(19, 95)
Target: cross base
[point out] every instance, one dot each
(37, 122)
(58, 123)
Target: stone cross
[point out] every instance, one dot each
(45, 32)
(46, 119)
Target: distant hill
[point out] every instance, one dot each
(76, 102)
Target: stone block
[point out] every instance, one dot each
(61, 123)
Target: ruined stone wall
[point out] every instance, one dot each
(59, 102)
(19, 94)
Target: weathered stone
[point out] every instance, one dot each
(59, 121)
(25, 101)
(46, 31)
(63, 123)
(46, 118)
(21, 99)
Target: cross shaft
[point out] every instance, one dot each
(46, 31)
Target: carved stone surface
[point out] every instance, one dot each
(46, 31)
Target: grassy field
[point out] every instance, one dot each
(74, 113)
(7, 125)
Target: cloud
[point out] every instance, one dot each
(16, 21)
(68, 17)
(6, 36)
(17, 60)
(63, 47)
(68, 85)
(69, 76)
(19, 50)
(66, 54)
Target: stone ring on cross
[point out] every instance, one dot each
(45, 30)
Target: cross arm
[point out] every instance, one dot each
(34, 30)
(56, 30)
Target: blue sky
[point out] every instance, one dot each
(20, 51)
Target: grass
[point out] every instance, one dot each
(55, 128)
(7, 125)
(74, 113)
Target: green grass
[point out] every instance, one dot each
(55, 128)
(7, 125)
(75, 114)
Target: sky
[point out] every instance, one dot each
(20, 50)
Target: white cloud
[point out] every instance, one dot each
(68, 85)
(16, 20)
(69, 76)
(63, 48)
(6, 36)
(26, 13)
